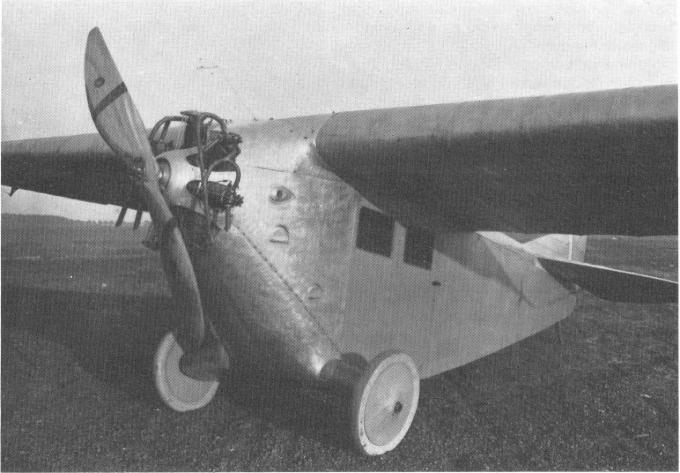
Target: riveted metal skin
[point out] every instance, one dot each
(257, 291)
(262, 319)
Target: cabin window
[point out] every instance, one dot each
(418, 248)
(375, 232)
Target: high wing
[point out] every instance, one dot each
(587, 163)
(78, 167)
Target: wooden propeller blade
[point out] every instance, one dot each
(121, 126)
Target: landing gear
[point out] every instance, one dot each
(384, 402)
(178, 391)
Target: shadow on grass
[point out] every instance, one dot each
(113, 337)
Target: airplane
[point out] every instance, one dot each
(364, 251)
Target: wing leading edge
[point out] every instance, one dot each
(587, 163)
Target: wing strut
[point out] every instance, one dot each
(121, 216)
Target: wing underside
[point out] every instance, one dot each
(612, 284)
(78, 167)
(586, 163)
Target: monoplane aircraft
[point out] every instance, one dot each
(363, 251)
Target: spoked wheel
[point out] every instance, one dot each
(384, 402)
(178, 391)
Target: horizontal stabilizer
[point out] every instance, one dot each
(612, 284)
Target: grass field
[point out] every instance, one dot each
(84, 304)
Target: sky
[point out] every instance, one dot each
(246, 60)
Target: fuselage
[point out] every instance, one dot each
(311, 271)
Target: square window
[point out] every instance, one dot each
(375, 232)
(418, 248)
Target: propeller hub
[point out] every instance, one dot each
(164, 173)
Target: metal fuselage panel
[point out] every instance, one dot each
(478, 297)
(290, 290)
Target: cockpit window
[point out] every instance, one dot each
(375, 232)
(418, 247)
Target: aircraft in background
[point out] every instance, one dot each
(363, 251)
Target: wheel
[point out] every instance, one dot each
(384, 402)
(178, 391)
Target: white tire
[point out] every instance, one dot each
(177, 390)
(385, 402)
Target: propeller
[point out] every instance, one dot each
(120, 125)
